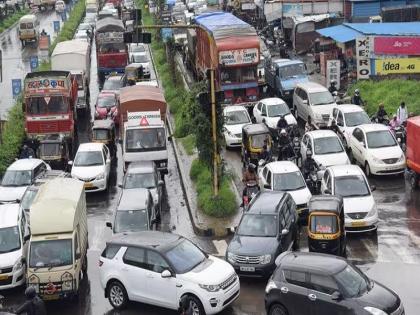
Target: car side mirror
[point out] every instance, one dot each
(166, 274)
(78, 256)
(70, 163)
(373, 188)
(26, 237)
(327, 192)
(336, 296)
(109, 224)
(305, 102)
(284, 232)
(161, 183)
(267, 186)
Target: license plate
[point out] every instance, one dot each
(4, 277)
(88, 185)
(51, 297)
(248, 269)
(358, 223)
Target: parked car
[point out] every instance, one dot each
(144, 174)
(14, 234)
(142, 59)
(374, 148)
(114, 83)
(268, 228)
(136, 49)
(348, 117)
(107, 106)
(349, 182)
(60, 6)
(92, 165)
(269, 111)
(326, 148)
(318, 284)
(85, 27)
(234, 117)
(83, 36)
(18, 176)
(313, 99)
(159, 268)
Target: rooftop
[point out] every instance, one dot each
(350, 108)
(141, 167)
(321, 133)
(90, 146)
(272, 101)
(9, 214)
(265, 202)
(312, 86)
(24, 164)
(282, 167)
(373, 127)
(133, 199)
(343, 170)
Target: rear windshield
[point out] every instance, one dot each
(26, 26)
(131, 221)
(100, 134)
(325, 224)
(110, 251)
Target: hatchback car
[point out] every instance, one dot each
(326, 148)
(107, 106)
(318, 284)
(235, 117)
(375, 149)
(142, 59)
(349, 182)
(92, 165)
(114, 83)
(19, 175)
(269, 111)
(268, 228)
(160, 268)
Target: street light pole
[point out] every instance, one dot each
(214, 133)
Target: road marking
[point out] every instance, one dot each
(400, 251)
(221, 247)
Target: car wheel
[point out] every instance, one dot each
(277, 309)
(196, 306)
(414, 180)
(351, 157)
(117, 295)
(367, 169)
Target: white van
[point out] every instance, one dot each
(14, 236)
(59, 237)
(28, 29)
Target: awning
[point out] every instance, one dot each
(340, 33)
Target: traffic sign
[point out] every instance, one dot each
(56, 26)
(16, 87)
(34, 63)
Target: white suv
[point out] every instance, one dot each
(160, 268)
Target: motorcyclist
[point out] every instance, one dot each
(26, 152)
(394, 123)
(282, 123)
(357, 99)
(381, 114)
(249, 176)
(265, 154)
(43, 33)
(309, 165)
(294, 132)
(309, 126)
(185, 306)
(33, 304)
(285, 147)
(332, 87)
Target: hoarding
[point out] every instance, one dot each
(397, 66)
(363, 50)
(239, 57)
(397, 45)
(333, 72)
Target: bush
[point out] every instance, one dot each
(9, 21)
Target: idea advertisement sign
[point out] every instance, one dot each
(363, 51)
(397, 66)
(239, 57)
(397, 45)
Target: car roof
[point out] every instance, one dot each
(373, 127)
(325, 203)
(233, 108)
(285, 62)
(255, 128)
(282, 167)
(272, 101)
(343, 170)
(350, 108)
(9, 213)
(312, 87)
(106, 94)
(266, 202)
(90, 146)
(313, 262)
(321, 133)
(157, 240)
(141, 167)
(133, 199)
(24, 164)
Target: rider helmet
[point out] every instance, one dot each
(30, 292)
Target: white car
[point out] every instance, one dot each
(235, 117)
(136, 48)
(60, 6)
(348, 117)
(269, 111)
(326, 147)
(349, 182)
(160, 268)
(285, 176)
(141, 58)
(374, 148)
(14, 234)
(82, 35)
(19, 175)
(108, 5)
(92, 165)
(313, 99)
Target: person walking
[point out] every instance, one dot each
(402, 113)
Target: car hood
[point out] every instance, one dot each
(386, 153)
(380, 297)
(290, 84)
(235, 129)
(12, 193)
(87, 172)
(252, 246)
(212, 271)
(9, 259)
(323, 109)
(332, 159)
(358, 204)
(272, 121)
(300, 196)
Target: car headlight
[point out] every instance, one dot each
(270, 286)
(66, 281)
(210, 288)
(229, 133)
(265, 259)
(100, 176)
(18, 265)
(376, 160)
(374, 310)
(373, 211)
(230, 257)
(402, 158)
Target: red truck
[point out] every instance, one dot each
(413, 150)
(231, 47)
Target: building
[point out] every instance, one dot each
(361, 10)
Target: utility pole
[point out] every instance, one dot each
(214, 133)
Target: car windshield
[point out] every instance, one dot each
(17, 178)
(323, 224)
(258, 225)
(321, 98)
(140, 140)
(101, 134)
(131, 221)
(85, 26)
(28, 198)
(185, 256)
(49, 149)
(278, 110)
(356, 119)
(112, 85)
(380, 139)
(140, 180)
(236, 117)
(351, 186)
(288, 181)
(257, 141)
(89, 158)
(51, 253)
(352, 282)
(292, 71)
(9, 239)
(327, 145)
(137, 48)
(139, 58)
(106, 101)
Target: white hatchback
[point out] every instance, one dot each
(235, 117)
(92, 165)
(348, 181)
(374, 147)
(269, 111)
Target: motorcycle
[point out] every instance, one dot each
(400, 135)
(251, 191)
(375, 119)
(313, 183)
(296, 149)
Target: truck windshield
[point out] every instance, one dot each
(131, 221)
(112, 48)
(140, 140)
(17, 178)
(51, 253)
(238, 75)
(292, 71)
(100, 134)
(9, 239)
(47, 105)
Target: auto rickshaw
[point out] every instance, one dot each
(104, 131)
(254, 137)
(326, 232)
(55, 150)
(134, 73)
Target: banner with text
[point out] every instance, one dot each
(397, 45)
(239, 57)
(397, 66)
(363, 50)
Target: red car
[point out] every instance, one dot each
(107, 106)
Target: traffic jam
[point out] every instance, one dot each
(95, 211)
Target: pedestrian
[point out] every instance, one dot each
(402, 113)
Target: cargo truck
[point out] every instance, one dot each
(413, 150)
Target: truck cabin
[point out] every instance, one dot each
(43, 105)
(145, 139)
(289, 70)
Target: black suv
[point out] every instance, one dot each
(268, 228)
(312, 283)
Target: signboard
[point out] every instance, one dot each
(397, 66)
(333, 72)
(363, 49)
(397, 45)
(34, 62)
(136, 119)
(110, 37)
(56, 26)
(16, 87)
(239, 57)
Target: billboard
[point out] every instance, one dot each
(239, 57)
(397, 66)
(363, 51)
(397, 45)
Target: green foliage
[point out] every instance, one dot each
(12, 19)
(188, 143)
(219, 206)
(391, 93)
(44, 66)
